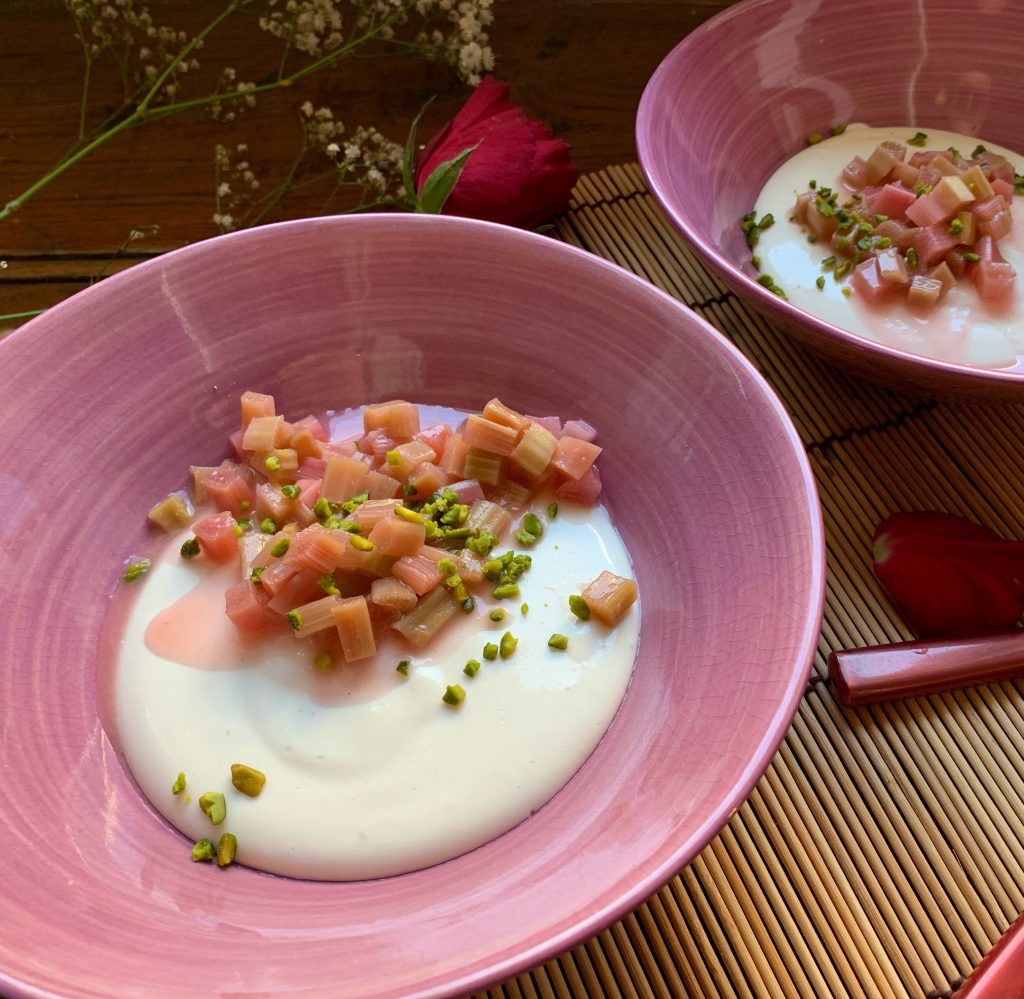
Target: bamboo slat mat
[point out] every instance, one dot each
(882, 853)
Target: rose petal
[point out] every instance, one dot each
(949, 576)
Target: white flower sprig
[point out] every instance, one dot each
(157, 63)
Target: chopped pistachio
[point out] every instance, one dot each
(323, 660)
(579, 607)
(247, 779)
(956, 227)
(360, 544)
(467, 605)
(814, 138)
(294, 619)
(202, 850)
(393, 457)
(507, 645)
(328, 585)
(267, 526)
(838, 129)
(226, 849)
(454, 694)
(136, 570)
(918, 139)
(291, 491)
(552, 511)
(820, 282)
(524, 609)
(490, 651)
(497, 615)
(280, 547)
(273, 463)
(244, 505)
(256, 573)
(911, 257)
(971, 257)
(977, 151)
(322, 509)
(531, 523)
(557, 641)
(411, 516)
(403, 666)
(472, 667)
(525, 538)
(179, 784)
(213, 806)
(190, 548)
(505, 591)
(447, 567)
(408, 489)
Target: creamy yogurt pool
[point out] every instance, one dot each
(959, 328)
(368, 772)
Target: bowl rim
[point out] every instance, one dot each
(781, 309)
(488, 971)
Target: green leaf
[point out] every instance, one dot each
(409, 155)
(440, 183)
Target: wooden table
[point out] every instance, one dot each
(578, 65)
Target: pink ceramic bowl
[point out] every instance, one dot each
(741, 94)
(108, 397)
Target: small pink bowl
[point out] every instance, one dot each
(113, 393)
(740, 95)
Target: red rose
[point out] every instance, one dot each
(518, 174)
(949, 576)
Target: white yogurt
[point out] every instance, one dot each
(960, 328)
(370, 774)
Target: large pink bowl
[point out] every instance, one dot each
(741, 94)
(107, 399)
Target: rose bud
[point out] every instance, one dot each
(949, 576)
(518, 174)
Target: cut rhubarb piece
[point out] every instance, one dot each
(343, 478)
(264, 433)
(853, 173)
(399, 419)
(373, 511)
(393, 593)
(427, 618)
(879, 164)
(892, 268)
(216, 537)
(933, 243)
(394, 536)
(586, 489)
(977, 183)
(487, 516)
(928, 211)
(535, 449)
(303, 587)
(319, 549)
(497, 412)
(309, 618)
(609, 597)
(229, 488)
(246, 608)
(435, 437)
(256, 404)
(892, 200)
(951, 194)
(420, 574)
(573, 457)
(486, 435)
(924, 290)
(355, 629)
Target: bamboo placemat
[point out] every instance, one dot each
(881, 853)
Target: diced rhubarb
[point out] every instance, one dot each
(256, 404)
(853, 174)
(468, 491)
(552, 424)
(993, 278)
(513, 496)
(821, 225)
(426, 480)
(610, 596)
(380, 486)
(944, 276)
(309, 491)
(435, 437)
(276, 576)
(263, 557)
(272, 503)
(996, 167)
(901, 234)
(977, 183)
(300, 589)
(924, 290)
(933, 243)
(484, 466)
(393, 593)
(892, 200)
(377, 443)
(586, 489)
(898, 150)
(968, 225)
(927, 211)
(399, 419)
(427, 618)
(453, 460)
(951, 194)
(246, 608)
(320, 549)
(993, 217)
(310, 468)
(867, 282)
(419, 574)
(372, 511)
(347, 447)
(1004, 189)
(355, 629)
(279, 465)
(537, 447)
(199, 474)
(376, 564)
(487, 516)
(229, 489)
(573, 457)
(216, 537)
(314, 426)
(404, 459)
(498, 412)
(905, 174)
(249, 546)
(956, 263)
(892, 268)
(307, 619)
(486, 435)
(928, 177)
(171, 513)
(878, 165)
(264, 433)
(305, 444)
(923, 157)
(470, 567)
(343, 478)
(394, 536)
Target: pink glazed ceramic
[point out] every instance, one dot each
(741, 94)
(107, 397)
